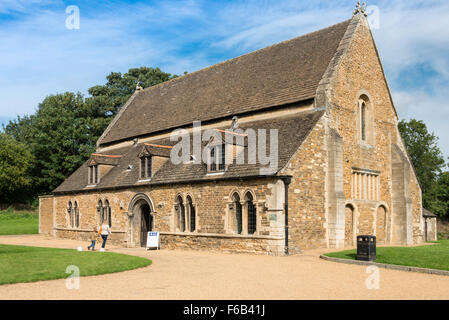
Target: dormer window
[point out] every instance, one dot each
(93, 174)
(217, 157)
(145, 167)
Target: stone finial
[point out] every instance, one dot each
(360, 9)
(138, 87)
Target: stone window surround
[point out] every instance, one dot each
(148, 175)
(73, 215)
(175, 224)
(230, 213)
(364, 97)
(103, 206)
(93, 170)
(218, 155)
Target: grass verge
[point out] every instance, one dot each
(430, 256)
(23, 222)
(29, 264)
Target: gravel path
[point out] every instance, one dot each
(178, 274)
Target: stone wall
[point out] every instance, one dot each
(211, 201)
(308, 221)
(360, 74)
(46, 215)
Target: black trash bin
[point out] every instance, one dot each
(366, 248)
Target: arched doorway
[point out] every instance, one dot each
(141, 219)
(146, 223)
(349, 225)
(381, 220)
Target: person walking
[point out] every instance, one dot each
(104, 231)
(93, 239)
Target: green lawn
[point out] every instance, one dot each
(18, 223)
(430, 256)
(28, 264)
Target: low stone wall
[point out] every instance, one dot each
(176, 240)
(223, 243)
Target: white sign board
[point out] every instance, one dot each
(153, 240)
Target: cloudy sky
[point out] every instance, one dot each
(39, 55)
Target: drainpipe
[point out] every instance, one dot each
(286, 180)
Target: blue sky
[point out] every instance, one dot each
(40, 56)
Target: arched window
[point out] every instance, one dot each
(69, 213)
(237, 213)
(252, 214)
(180, 214)
(363, 120)
(107, 213)
(100, 211)
(76, 219)
(192, 214)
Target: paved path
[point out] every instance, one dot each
(177, 274)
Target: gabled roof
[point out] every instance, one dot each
(284, 73)
(292, 131)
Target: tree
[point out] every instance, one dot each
(65, 128)
(427, 158)
(105, 101)
(15, 160)
(57, 136)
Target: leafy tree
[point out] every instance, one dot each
(427, 159)
(105, 101)
(57, 136)
(15, 160)
(65, 128)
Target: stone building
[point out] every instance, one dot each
(342, 169)
(430, 226)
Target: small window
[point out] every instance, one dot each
(191, 213)
(145, 167)
(69, 213)
(76, 222)
(180, 214)
(363, 120)
(238, 222)
(106, 215)
(213, 162)
(217, 158)
(96, 174)
(93, 174)
(252, 214)
(100, 211)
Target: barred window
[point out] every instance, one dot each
(192, 214)
(252, 214)
(237, 213)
